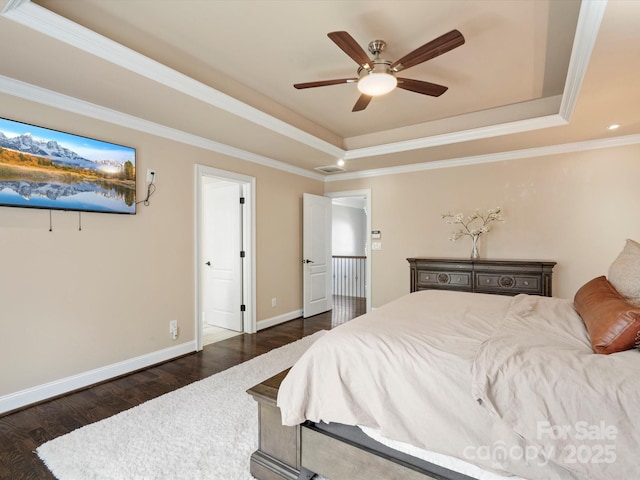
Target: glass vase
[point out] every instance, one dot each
(474, 248)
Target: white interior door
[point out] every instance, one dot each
(316, 251)
(221, 245)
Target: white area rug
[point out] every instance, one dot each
(206, 430)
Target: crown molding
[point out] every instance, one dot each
(33, 16)
(589, 20)
(491, 157)
(43, 96)
(48, 23)
(460, 136)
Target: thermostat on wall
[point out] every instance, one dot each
(376, 234)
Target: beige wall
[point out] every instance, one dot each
(72, 301)
(576, 209)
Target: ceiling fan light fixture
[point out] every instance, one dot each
(378, 81)
(377, 76)
(376, 84)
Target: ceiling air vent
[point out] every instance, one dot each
(331, 169)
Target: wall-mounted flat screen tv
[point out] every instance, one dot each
(43, 168)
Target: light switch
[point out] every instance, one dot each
(376, 246)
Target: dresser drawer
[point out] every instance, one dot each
(508, 282)
(430, 279)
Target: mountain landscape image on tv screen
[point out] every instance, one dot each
(45, 168)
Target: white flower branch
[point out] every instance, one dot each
(467, 229)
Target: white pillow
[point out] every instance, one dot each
(624, 272)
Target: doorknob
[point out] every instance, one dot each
(306, 260)
(208, 263)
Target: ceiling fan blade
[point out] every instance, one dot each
(349, 46)
(418, 86)
(362, 103)
(430, 50)
(324, 83)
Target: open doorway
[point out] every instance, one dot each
(225, 278)
(351, 259)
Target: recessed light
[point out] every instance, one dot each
(613, 127)
(341, 163)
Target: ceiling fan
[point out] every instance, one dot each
(377, 76)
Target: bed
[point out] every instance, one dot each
(457, 385)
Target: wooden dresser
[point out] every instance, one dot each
(503, 277)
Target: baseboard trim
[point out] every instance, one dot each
(46, 391)
(285, 317)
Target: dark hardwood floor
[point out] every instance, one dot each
(24, 431)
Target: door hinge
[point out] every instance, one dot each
(243, 308)
(241, 253)
(242, 200)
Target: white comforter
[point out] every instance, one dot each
(539, 374)
(408, 368)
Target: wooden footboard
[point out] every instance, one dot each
(290, 453)
(278, 454)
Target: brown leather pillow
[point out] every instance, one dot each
(612, 322)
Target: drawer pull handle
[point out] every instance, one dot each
(506, 281)
(428, 277)
(526, 282)
(443, 278)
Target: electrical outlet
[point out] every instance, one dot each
(274, 302)
(173, 329)
(151, 175)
